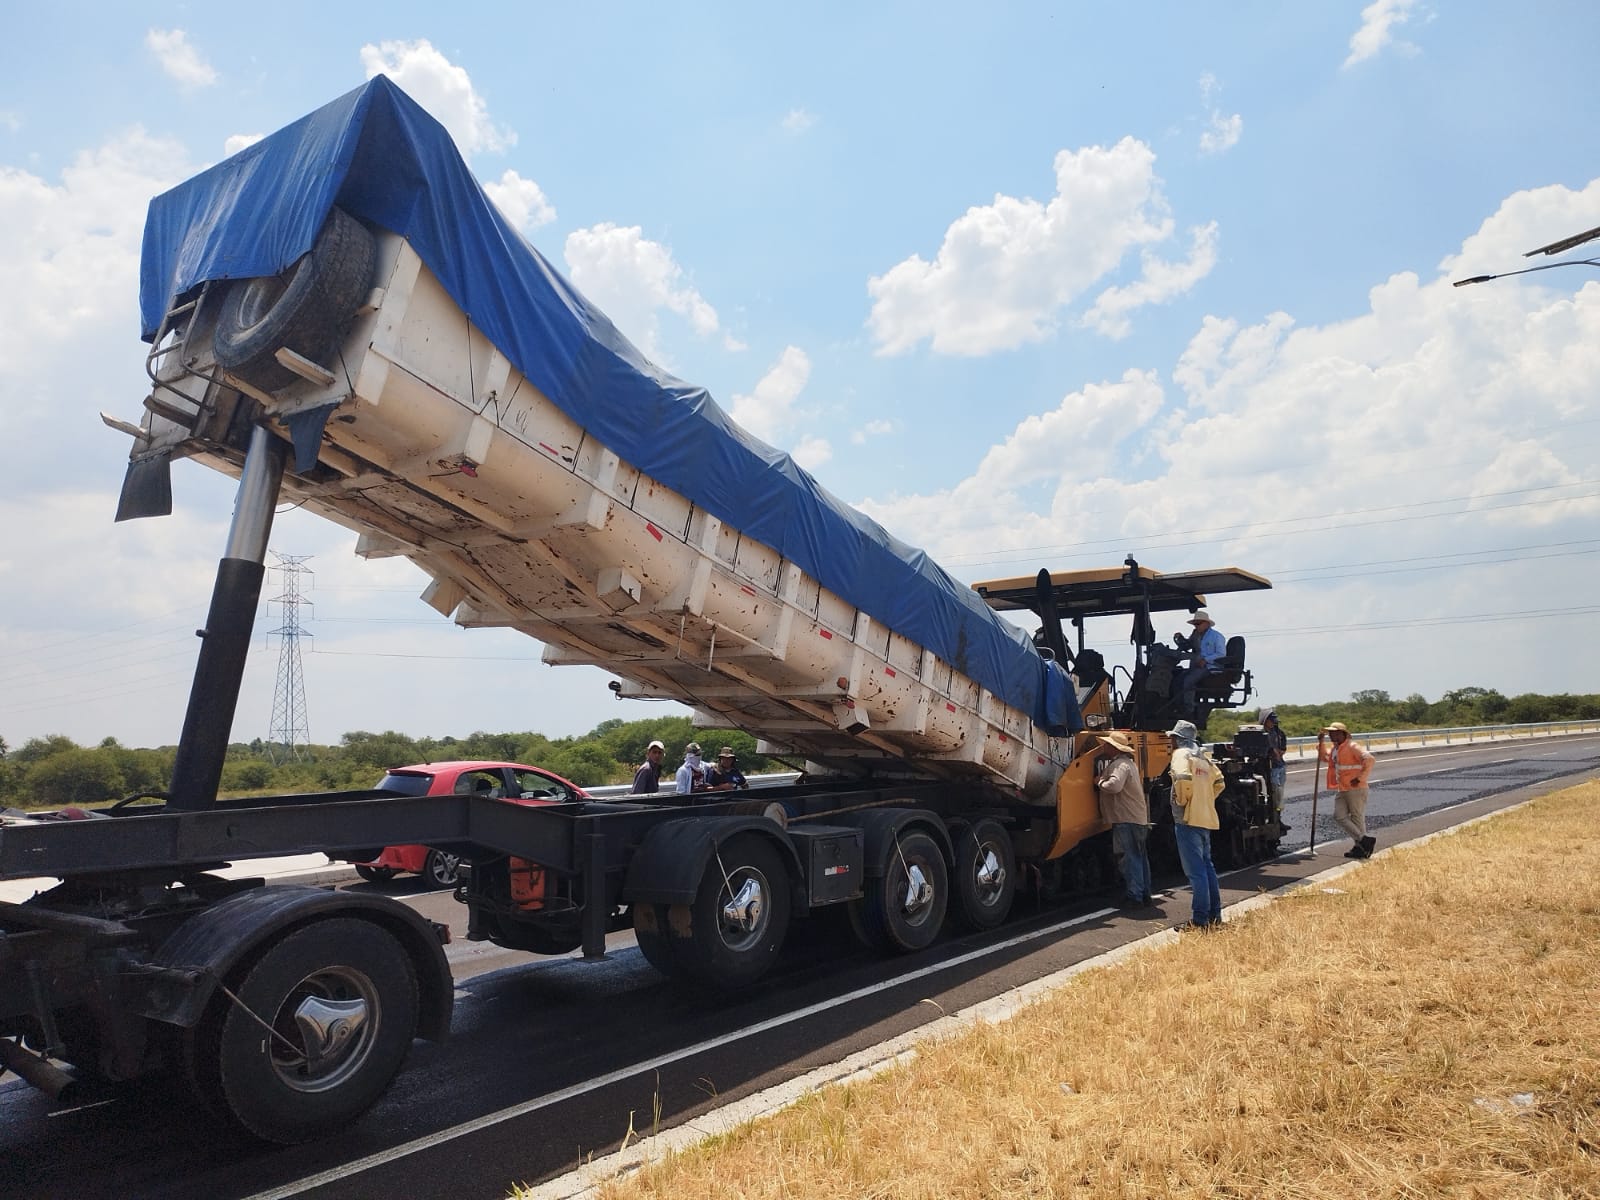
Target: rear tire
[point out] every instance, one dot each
(739, 917)
(306, 308)
(894, 915)
(650, 931)
(345, 982)
(376, 874)
(985, 876)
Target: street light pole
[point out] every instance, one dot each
(1571, 262)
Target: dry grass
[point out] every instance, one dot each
(1431, 1029)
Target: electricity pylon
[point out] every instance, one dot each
(290, 736)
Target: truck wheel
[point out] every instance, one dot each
(902, 909)
(739, 917)
(305, 309)
(985, 876)
(323, 1020)
(375, 874)
(650, 931)
(442, 869)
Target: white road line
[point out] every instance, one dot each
(489, 1120)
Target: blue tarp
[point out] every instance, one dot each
(375, 153)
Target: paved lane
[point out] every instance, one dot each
(553, 1060)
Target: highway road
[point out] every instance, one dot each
(554, 1060)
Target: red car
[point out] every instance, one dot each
(502, 781)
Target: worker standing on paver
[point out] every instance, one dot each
(1349, 770)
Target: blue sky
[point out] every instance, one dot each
(1033, 287)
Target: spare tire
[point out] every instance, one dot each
(306, 309)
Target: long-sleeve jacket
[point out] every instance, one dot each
(1122, 798)
(1349, 764)
(1211, 647)
(1196, 784)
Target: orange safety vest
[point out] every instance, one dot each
(1346, 761)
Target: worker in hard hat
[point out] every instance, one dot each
(1349, 770)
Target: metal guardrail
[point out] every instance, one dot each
(669, 785)
(1305, 747)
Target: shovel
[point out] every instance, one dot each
(1316, 781)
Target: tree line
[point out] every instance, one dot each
(54, 771)
(1373, 709)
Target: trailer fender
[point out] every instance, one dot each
(881, 828)
(188, 967)
(671, 861)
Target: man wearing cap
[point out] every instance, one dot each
(1349, 769)
(1196, 784)
(1206, 647)
(1277, 765)
(726, 776)
(692, 774)
(1123, 806)
(647, 779)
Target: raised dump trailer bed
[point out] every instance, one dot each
(477, 416)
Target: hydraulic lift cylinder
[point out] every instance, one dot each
(225, 640)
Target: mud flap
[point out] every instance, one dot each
(147, 488)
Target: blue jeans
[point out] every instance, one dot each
(1134, 859)
(1194, 850)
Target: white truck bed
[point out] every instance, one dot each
(440, 451)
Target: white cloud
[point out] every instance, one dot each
(797, 121)
(870, 430)
(521, 200)
(442, 88)
(1221, 134)
(11, 120)
(179, 59)
(1431, 457)
(71, 257)
(768, 408)
(1099, 414)
(631, 279)
(1158, 282)
(240, 141)
(1005, 270)
(1378, 22)
(812, 452)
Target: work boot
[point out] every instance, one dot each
(1367, 843)
(1354, 851)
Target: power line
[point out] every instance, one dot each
(1477, 618)
(1308, 574)
(517, 658)
(1087, 548)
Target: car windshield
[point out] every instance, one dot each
(408, 782)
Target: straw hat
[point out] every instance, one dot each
(1117, 740)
